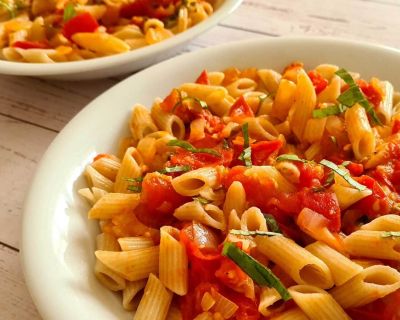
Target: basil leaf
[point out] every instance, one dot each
(290, 157)
(245, 156)
(345, 163)
(9, 8)
(136, 189)
(184, 168)
(354, 95)
(201, 200)
(329, 111)
(225, 144)
(255, 270)
(187, 146)
(138, 179)
(329, 181)
(271, 223)
(254, 233)
(390, 234)
(69, 12)
(344, 174)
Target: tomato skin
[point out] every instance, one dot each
(373, 95)
(262, 150)
(240, 109)
(83, 22)
(158, 201)
(258, 191)
(375, 204)
(319, 82)
(396, 126)
(203, 78)
(356, 169)
(310, 175)
(31, 45)
(159, 9)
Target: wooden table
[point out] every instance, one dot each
(33, 111)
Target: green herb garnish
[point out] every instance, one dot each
(11, 10)
(254, 233)
(272, 224)
(201, 200)
(344, 174)
(245, 156)
(329, 181)
(329, 111)
(69, 12)
(390, 234)
(290, 157)
(255, 270)
(136, 189)
(175, 169)
(225, 144)
(354, 95)
(187, 146)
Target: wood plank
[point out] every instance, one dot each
(359, 20)
(15, 302)
(21, 147)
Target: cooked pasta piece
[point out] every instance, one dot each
(173, 263)
(131, 265)
(130, 293)
(132, 243)
(304, 268)
(371, 284)
(390, 222)
(359, 130)
(155, 302)
(372, 244)
(235, 199)
(342, 268)
(317, 303)
(130, 169)
(141, 124)
(268, 297)
(113, 203)
(168, 122)
(193, 182)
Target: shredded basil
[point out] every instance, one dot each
(136, 189)
(329, 111)
(9, 8)
(390, 234)
(225, 144)
(345, 163)
(245, 156)
(138, 179)
(255, 270)
(201, 200)
(290, 157)
(344, 174)
(329, 181)
(271, 223)
(69, 12)
(187, 146)
(254, 233)
(175, 169)
(354, 95)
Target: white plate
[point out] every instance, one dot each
(58, 240)
(120, 63)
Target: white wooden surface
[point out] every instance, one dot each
(32, 111)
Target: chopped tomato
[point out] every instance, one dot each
(319, 82)
(316, 226)
(259, 190)
(83, 22)
(261, 151)
(381, 309)
(159, 9)
(377, 203)
(31, 45)
(173, 104)
(396, 126)
(310, 175)
(373, 95)
(233, 277)
(214, 124)
(248, 309)
(203, 78)
(356, 169)
(158, 201)
(240, 109)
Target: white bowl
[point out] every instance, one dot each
(58, 240)
(121, 63)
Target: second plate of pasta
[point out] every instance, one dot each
(228, 191)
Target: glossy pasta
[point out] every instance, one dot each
(255, 194)
(49, 31)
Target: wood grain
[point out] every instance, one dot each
(15, 302)
(32, 111)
